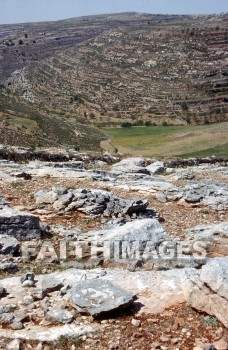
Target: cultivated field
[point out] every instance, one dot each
(161, 141)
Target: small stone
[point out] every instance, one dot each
(28, 300)
(180, 321)
(112, 345)
(28, 283)
(164, 339)
(184, 330)
(39, 346)
(57, 314)
(135, 323)
(6, 318)
(16, 325)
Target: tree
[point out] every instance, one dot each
(184, 106)
(20, 42)
(188, 120)
(148, 123)
(206, 120)
(139, 123)
(126, 125)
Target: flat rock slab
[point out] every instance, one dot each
(50, 334)
(98, 296)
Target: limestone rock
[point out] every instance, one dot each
(156, 168)
(207, 290)
(57, 314)
(99, 296)
(22, 226)
(8, 245)
(14, 345)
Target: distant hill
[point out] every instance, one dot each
(60, 81)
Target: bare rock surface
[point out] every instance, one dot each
(49, 334)
(215, 237)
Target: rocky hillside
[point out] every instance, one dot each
(59, 77)
(98, 252)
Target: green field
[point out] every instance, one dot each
(169, 141)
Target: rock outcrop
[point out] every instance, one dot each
(20, 225)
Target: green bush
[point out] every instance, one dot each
(139, 123)
(126, 125)
(76, 147)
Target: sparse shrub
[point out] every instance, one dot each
(164, 123)
(138, 123)
(188, 120)
(64, 342)
(20, 42)
(116, 108)
(184, 106)
(148, 123)
(210, 321)
(76, 147)
(92, 115)
(32, 148)
(206, 120)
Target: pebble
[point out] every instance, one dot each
(135, 323)
(164, 339)
(112, 345)
(39, 347)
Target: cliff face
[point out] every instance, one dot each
(104, 70)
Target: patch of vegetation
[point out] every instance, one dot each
(182, 141)
(210, 321)
(65, 342)
(220, 151)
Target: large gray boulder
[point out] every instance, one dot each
(8, 245)
(207, 290)
(99, 296)
(131, 165)
(156, 168)
(207, 192)
(215, 275)
(22, 226)
(213, 236)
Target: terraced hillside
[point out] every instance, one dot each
(106, 70)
